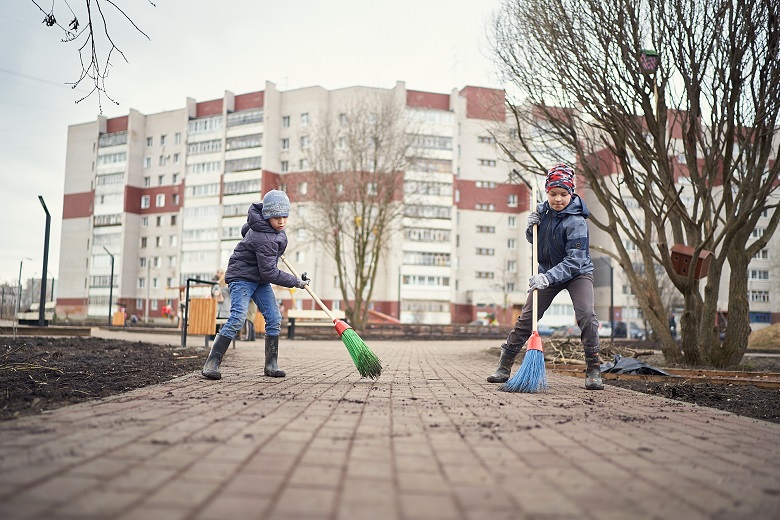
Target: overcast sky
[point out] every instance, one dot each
(199, 49)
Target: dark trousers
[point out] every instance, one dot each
(581, 292)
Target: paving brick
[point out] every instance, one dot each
(428, 439)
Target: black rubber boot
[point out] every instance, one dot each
(505, 363)
(218, 349)
(593, 373)
(271, 354)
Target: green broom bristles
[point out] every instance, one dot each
(366, 361)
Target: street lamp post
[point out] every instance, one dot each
(19, 296)
(110, 286)
(42, 309)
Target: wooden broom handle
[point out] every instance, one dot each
(535, 261)
(319, 302)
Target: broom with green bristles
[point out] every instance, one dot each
(366, 361)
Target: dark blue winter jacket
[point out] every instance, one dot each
(256, 257)
(564, 241)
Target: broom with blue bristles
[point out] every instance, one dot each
(532, 376)
(366, 361)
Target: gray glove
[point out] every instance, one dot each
(303, 281)
(538, 281)
(534, 218)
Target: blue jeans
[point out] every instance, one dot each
(263, 295)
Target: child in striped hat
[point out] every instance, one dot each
(564, 263)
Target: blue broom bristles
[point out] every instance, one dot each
(531, 377)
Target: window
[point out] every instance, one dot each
(214, 145)
(487, 162)
(285, 121)
(305, 119)
(163, 139)
(343, 119)
(143, 241)
(485, 207)
(148, 161)
(486, 229)
(303, 188)
(173, 240)
(176, 158)
(285, 144)
(758, 274)
(149, 141)
(511, 243)
(245, 117)
(762, 255)
(159, 221)
(177, 138)
(171, 261)
(244, 141)
(159, 200)
(486, 251)
(173, 220)
(174, 178)
(160, 180)
(485, 275)
(157, 241)
(757, 233)
(285, 166)
(512, 201)
(144, 221)
(485, 184)
(156, 261)
(342, 143)
(205, 124)
(162, 160)
(142, 262)
(511, 266)
(303, 165)
(759, 296)
(372, 188)
(486, 139)
(146, 201)
(176, 199)
(141, 283)
(304, 142)
(147, 182)
(511, 222)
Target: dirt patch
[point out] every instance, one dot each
(42, 373)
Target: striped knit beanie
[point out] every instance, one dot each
(560, 176)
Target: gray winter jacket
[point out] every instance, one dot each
(256, 257)
(564, 238)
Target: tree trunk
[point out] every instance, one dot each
(729, 353)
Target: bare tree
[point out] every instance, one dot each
(95, 60)
(359, 158)
(683, 153)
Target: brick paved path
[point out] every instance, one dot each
(429, 440)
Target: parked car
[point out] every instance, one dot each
(567, 332)
(605, 329)
(545, 330)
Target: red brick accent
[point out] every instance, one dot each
(470, 196)
(209, 108)
(419, 99)
(117, 124)
(78, 205)
(484, 103)
(133, 196)
(251, 100)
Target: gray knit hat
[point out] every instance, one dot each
(276, 204)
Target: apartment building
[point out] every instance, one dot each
(160, 198)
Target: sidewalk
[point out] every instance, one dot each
(429, 440)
